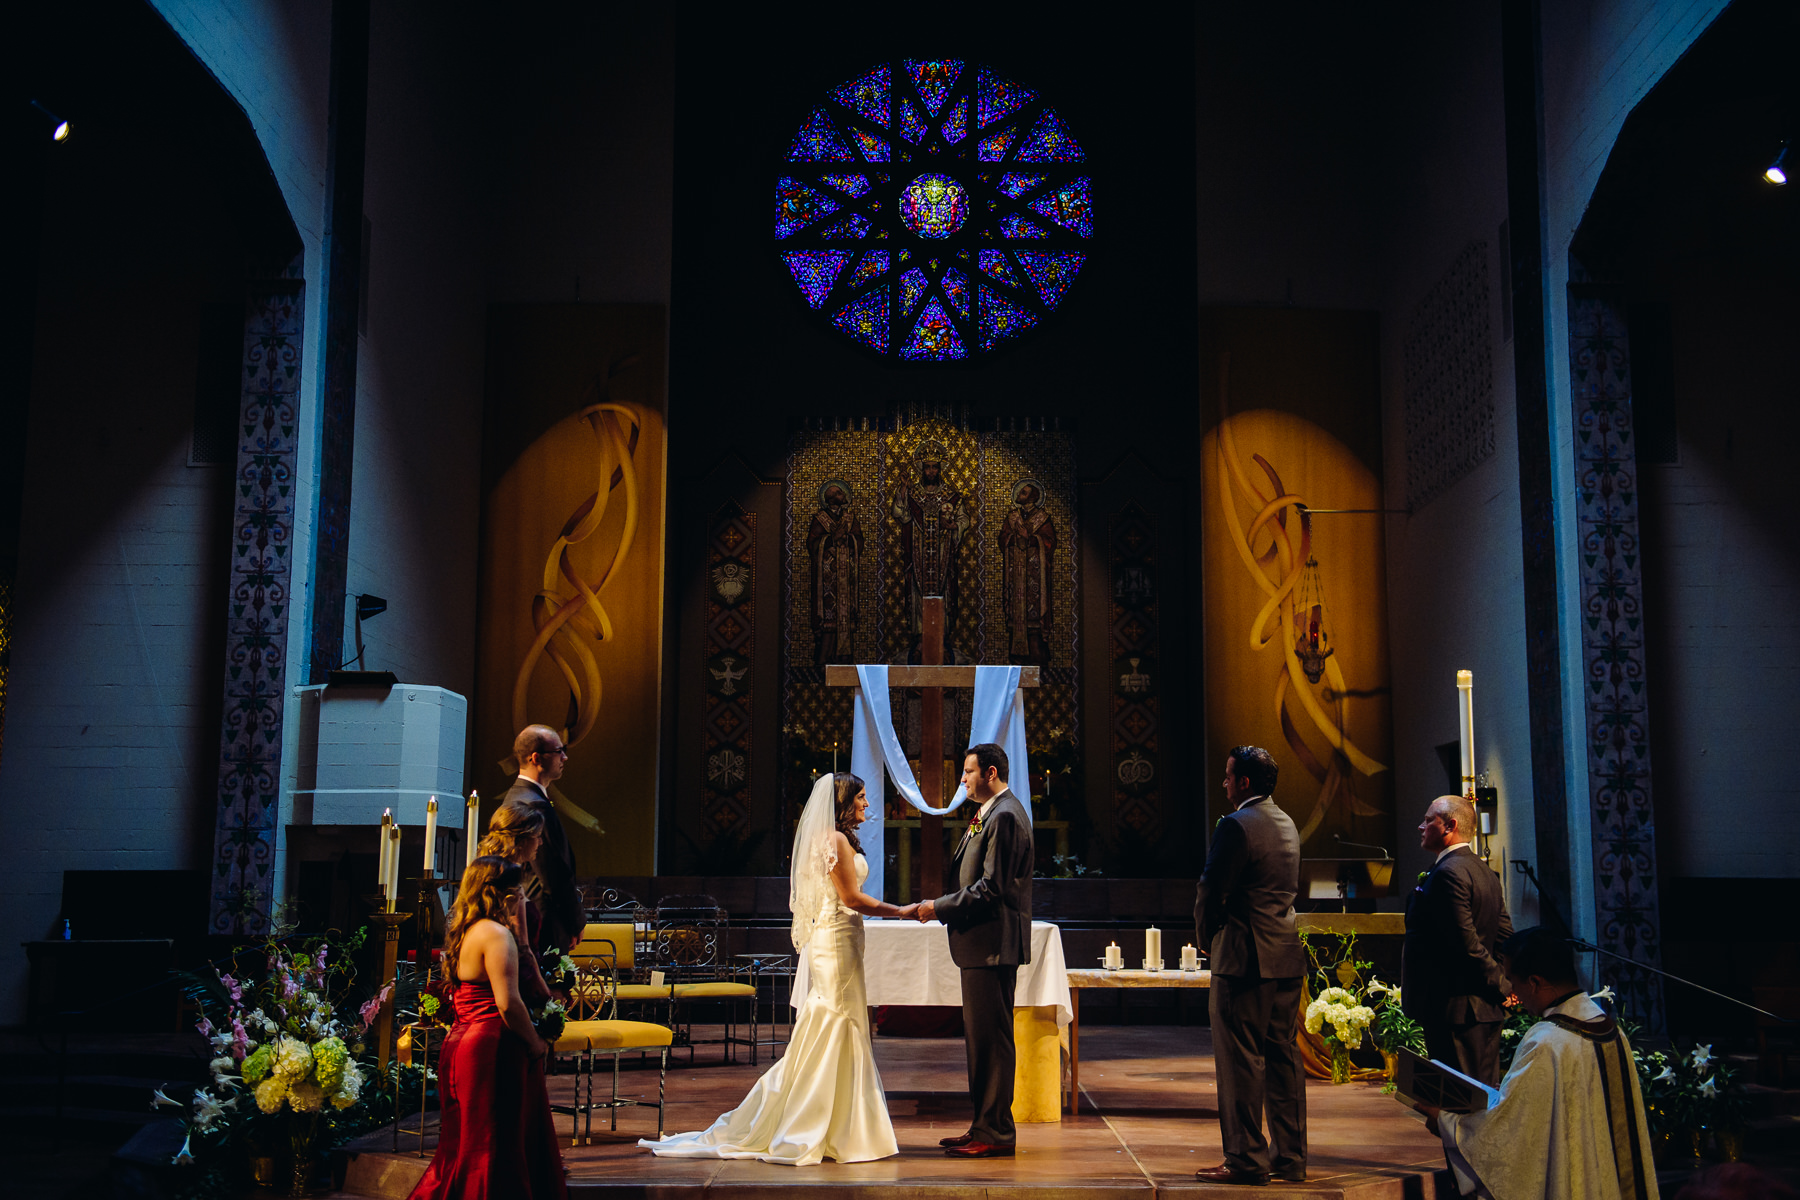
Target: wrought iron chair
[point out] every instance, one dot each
(688, 943)
(591, 1032)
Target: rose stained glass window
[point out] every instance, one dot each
(932, 210)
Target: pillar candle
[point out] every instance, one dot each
(1190, 959)
(381, 856)
(1115, 957)
(1153, 944)
(430, 835)
(1465, 692)
(471, 834)
(393, 893)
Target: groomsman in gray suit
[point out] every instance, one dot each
(989, 919)
(1244, 915)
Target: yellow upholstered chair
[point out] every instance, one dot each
(589, 1035)
(606, 959)
(688, 938)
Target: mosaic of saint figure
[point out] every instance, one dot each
(835, 542)
(1027, 551)
(935, 520)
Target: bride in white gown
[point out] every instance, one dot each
(822, 1099)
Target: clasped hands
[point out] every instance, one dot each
(922, 912)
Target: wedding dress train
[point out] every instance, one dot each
(822, 1099)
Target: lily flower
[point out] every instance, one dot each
(159, 1099)
(1701, 1058)
(184, 1156)
(1605, 993)
(1667, 1076)
(1709, 1089)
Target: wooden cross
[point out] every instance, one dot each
(931, 677)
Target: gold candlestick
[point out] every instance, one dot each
(389, 922)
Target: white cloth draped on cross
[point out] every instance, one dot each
(998, 715)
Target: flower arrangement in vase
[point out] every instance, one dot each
(1348, 1017)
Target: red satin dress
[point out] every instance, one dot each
(495, 1134)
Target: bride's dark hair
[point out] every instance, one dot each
(848, 788)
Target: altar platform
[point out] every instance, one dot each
(1148, 1120)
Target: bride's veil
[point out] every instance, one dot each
(810, 891)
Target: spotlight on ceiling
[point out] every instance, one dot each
(59, 128)
(1777, 170)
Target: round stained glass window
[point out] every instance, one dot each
(932, 210)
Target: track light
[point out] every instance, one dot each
(59, 128)
(1777, 170)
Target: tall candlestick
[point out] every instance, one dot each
(430, 834)
(471, 834)
(1465, 696)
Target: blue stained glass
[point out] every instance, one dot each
(797, 206)
(1012, 225)
(867, 94)
(1017, 185)
(818, 141)
(1001, 318)
(993, 147)
(849, 227)
(1069, 206)
(874, 149)
(874, 263)
(866, 319)
(856, 185)
(1052, 270)
(1051, 141)
(934, 337)
(912, 289)
(814, 271)
(956, 286)
(996, 97)
(912, 125)
(934, 206)
(956, 125)
(934, 79)
(995, 264)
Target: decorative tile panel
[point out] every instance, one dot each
(257, 617)
(1449, 379)
(1612, 645)
(1135, 641)
(727, 670)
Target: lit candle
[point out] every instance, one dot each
(1152, 947)
(1115, 957)
(393, 892)
(1190, 959)
(1465, 693)
(471, 834)
(381, 863)
(430, 834)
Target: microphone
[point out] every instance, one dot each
(1360, 846)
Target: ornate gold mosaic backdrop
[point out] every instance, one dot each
(985, 468)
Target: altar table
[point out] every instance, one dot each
(905, 962)
(1094, 978)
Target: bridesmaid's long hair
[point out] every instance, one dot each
(848, 788)
(487, 884)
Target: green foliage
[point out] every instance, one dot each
(1067, 866)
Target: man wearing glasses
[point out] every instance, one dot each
(551, 885)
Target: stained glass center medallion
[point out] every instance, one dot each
(934, 206)
(933, 210)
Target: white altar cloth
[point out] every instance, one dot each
(905, 962)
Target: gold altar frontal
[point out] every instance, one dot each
(1037, 1077)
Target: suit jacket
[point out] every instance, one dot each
(1454, 919)
(989, 913)
(558, 898)
(1244, 904)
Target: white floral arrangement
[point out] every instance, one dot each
(1341, 1009)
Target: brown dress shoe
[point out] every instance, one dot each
(1226, 1173)
(979, 1150)
(961, 1139)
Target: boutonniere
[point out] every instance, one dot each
(1422, 875)
(975, 827)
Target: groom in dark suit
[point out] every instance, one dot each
(1244, 916)
(1451, 983)
(989, 919)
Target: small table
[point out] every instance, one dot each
(1097, 978)
(774, 968)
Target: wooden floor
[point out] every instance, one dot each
(1150, 1121)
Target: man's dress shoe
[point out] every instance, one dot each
(979, 1150)
(1226, 1173)
(961, 1139)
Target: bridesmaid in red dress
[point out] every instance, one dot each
(495, 1134)
(515, 833)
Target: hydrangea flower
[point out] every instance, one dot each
(270, 1093)
(329, 1058)
(293, 1059)
(306, 1096)
(258, 1065)
(350, 1090)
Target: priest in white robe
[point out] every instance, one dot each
(1567, 1122)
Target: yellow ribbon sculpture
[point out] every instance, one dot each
(1278, 571)
(567, 611)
